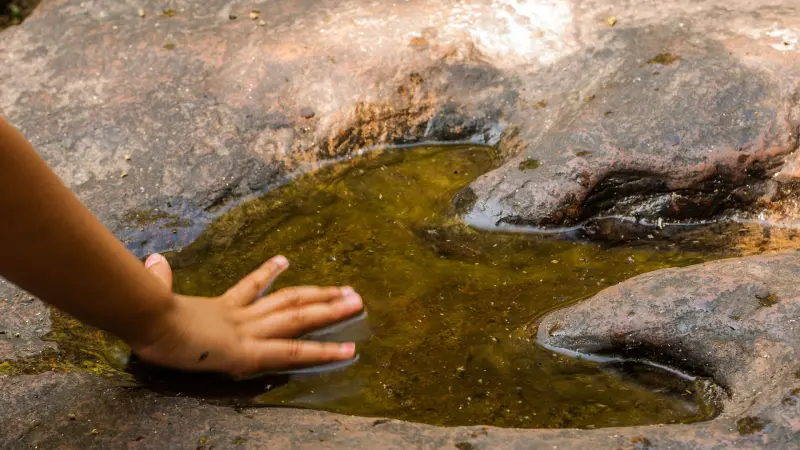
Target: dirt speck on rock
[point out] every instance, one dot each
(307, 113)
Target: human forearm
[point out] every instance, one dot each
(51, 245)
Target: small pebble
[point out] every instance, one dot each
(611, 21)
(141, 12)
(123, 175)
(306, 113)
(232, 16)
(254, 14)
(71, 416)
(261, 23)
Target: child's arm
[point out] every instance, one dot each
(51, 245)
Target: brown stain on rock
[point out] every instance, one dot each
(664, 59)
(374, 124)
(530, 164)
(418, 43)
(767, 300)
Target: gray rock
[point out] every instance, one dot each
(683, 317)
(217, 118)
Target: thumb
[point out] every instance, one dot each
(158, 266)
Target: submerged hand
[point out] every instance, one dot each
(237, 335)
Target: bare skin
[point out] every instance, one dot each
(52, 246)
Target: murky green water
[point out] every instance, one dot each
(449, 306)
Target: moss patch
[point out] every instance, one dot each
(14, 12)
(530, 164)
(664, 59)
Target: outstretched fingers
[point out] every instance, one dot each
(292, 322)
(272, 354)
(249, 288)
(294, 297)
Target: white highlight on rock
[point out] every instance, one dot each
(515, 32)
(788, 38)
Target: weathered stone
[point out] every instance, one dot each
(599, 107)
(218, 117)
(703, 131)
(735, 320)
(37, 408)
(23, 321)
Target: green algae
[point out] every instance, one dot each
(664, 59)
(143, 218)
(749, 425)
(529, 164)
(80, 348)
(450, 307)
(767, 300)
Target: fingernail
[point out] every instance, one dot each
(347, 290)
(280, 261)
(155, 258)
(352, 300)
(348, 349)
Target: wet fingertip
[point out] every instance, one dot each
(348, 349)
(353, 300)
(280, 261)
(347, 290)
(153, 259)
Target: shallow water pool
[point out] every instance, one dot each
(450, 308)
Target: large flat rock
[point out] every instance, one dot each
(39, 411)
(679, 111)
(735, 320)
(687, 119)
(682, 110)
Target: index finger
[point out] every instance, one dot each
(253, 285)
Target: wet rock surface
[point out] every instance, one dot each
(733, 320)
(80, 411)
(681, 110)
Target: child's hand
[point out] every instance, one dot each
(53, 247)
(239, 334)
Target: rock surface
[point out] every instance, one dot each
(735, 320)
(680, 110)
(672, 125)
(38, 411)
